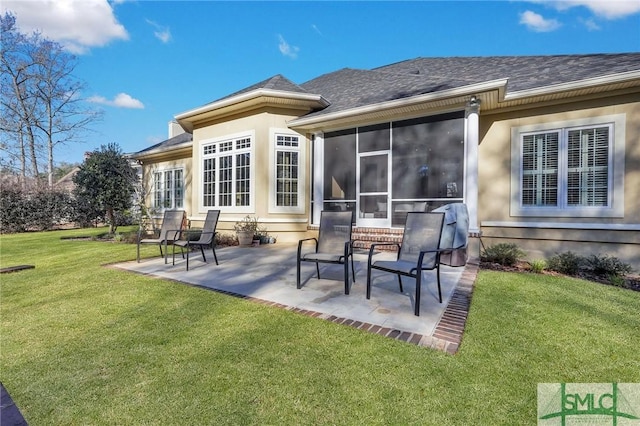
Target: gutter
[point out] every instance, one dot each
(473, 89)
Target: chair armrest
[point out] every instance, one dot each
(374, 245)
(438, 252)
(177, 234)
(302, 241)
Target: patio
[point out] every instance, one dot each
(267, 274)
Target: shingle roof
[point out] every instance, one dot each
(277, 82)
(349, 88)
(168, 144)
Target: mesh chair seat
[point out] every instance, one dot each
(333, 245)
(420, 249)
(172, 225)
(323, 257)
(206, 238)
(404, 266)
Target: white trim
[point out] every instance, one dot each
(301, 150)
(248, 96)
(161, 150)
(265, 220)
(251, 134)
(162, 171)
(558, 225)
(617, 150)
(463, 91)
(573, 85)
(471, 143)
(318, 176)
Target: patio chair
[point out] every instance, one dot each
(333, 245)
(207, 238)
(420, 251)
(172, 223)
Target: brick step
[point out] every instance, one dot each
(363, 237)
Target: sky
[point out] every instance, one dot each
(146, 61)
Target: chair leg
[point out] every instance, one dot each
(188, 250)
(369, 279)
(400, 283)
(173, 254)
(439, 289)
(213, 249)
(418, 285)
(202, 251)
(353, 270)
(346, 276)
(318, 269)
(298, 273)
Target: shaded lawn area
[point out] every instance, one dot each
(85, 344)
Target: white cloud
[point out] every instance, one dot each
(538, 23)
(590, 24)
(286, 49)
(76, 24)
(122, 100)
(162, 33)
(607, 9)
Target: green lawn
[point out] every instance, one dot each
(86, 344)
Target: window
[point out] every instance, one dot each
(570, 170)
(168, 189)
(286, 183)
(287, 168)
(226, 173)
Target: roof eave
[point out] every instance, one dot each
(243, 101)
(163, 151)
(574, 85)
(456, 96)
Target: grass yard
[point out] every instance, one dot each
(85, 344)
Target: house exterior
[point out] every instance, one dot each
(544, 150)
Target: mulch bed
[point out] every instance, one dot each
(632, 282)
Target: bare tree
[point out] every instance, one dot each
(42, 98)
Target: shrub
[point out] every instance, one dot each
(225, 240)
(506, 254)
(35, 209)
(607, 266)
(538, 265)
(566, 263)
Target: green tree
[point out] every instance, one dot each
(106, 180)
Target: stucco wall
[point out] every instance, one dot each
(258, 123)
(171, 163)
(619, 236)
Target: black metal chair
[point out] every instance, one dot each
(333, 245)
(172, 223)
(207, 238)
(420, 251)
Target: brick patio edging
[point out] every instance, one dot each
(447, 335)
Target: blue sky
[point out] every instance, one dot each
(146, 61)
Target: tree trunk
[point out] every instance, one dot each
(112, 221)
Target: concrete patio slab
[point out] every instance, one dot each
(267, 274)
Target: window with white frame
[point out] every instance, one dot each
(168, 189)
(286, 193)
(226, 173)
(571, 170)
(287, 170)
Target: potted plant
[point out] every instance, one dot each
(246, 230)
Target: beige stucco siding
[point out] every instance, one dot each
(261, 126)
(617, 235)
(173, 163)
